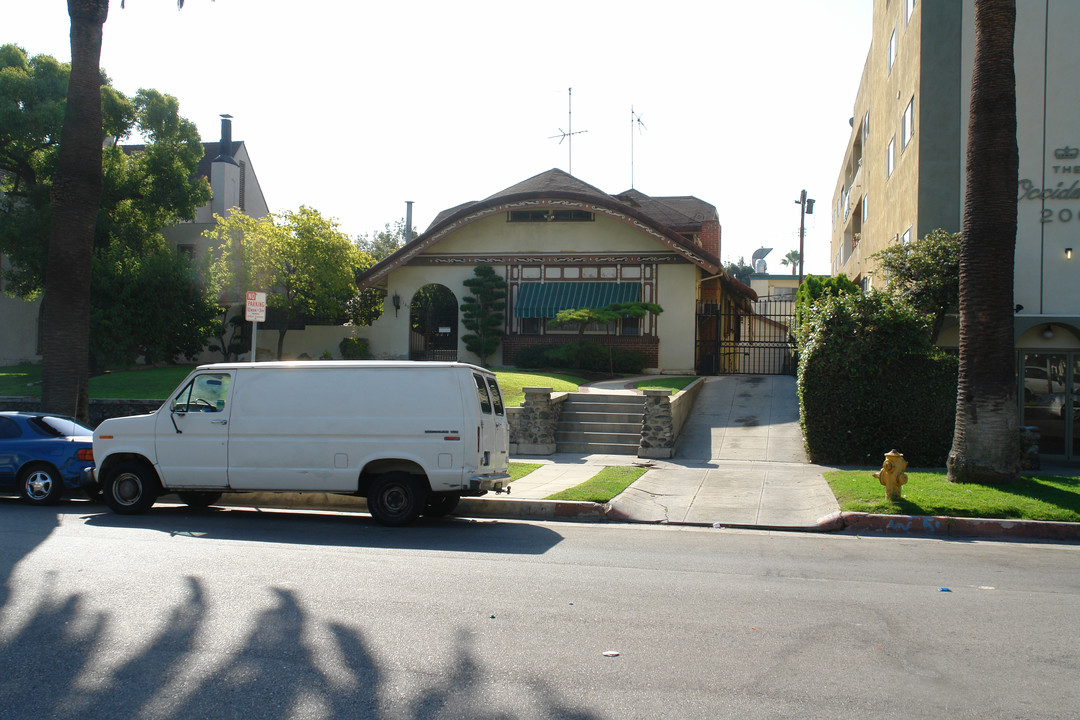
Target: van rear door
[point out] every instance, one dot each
(485, 436)
(501, 450)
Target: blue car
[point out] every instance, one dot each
(42, 456)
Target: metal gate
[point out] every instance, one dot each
(755, 340)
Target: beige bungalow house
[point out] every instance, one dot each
(561, 243)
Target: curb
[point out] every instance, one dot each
(944, 526)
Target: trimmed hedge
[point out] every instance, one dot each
(584, 356)
(354, 349)
(870, 381)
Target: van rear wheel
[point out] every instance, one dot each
(396, 498)
(131, 488)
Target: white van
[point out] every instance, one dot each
(411, 437)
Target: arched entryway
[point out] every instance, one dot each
(433, 324)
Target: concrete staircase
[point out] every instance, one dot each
(598, 423)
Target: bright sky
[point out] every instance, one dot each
(355, 107)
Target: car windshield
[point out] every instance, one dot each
(60, 426)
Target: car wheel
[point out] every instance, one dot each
(441, 504)
(40, 485)
(131, 488)
(199, 500)
(396, 498)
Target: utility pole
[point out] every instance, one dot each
(806, 207)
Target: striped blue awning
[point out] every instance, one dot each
(545, 300)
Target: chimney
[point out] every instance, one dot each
(225, 149)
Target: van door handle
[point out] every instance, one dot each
(218, 422)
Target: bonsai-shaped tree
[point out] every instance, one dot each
(482, 312)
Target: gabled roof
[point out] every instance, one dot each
(210, 151)
(687, 213)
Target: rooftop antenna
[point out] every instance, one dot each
(635, 119)
(569, 134)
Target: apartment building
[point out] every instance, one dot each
(902, 175)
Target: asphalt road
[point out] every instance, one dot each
(276, 614)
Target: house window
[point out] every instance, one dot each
(631, 326)
(530, 326)
(550, 216)
(889, 153)
(892, 49)
(186, 250)
(907, 124)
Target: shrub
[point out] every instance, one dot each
(534, 356)
(585, 356)
(354, 349)
(871, 381)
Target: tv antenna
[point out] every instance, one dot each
(569, 134)
(635, 121)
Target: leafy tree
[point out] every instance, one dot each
(142, 192)
(792, 259)
(986, 443)
(303, 262)
(925, 274)
(739, 270)
(482, 311)
(385, 242)
(148, 305)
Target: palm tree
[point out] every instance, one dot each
(75, 199)
(986, 442)
(76, 195)
(792, 259)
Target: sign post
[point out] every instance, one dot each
(255, 313)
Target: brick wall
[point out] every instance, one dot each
(645, 344)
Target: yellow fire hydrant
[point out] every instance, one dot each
(892, 474)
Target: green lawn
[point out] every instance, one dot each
(603, 486)
(519, 470)
(1032, 498)
(673, 383)
(154, 383)
(512, 382)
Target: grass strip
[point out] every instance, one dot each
(603, 486)
(674, 384)
(512, 383)
(519, 470)
(1032, 497)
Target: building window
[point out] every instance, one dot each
(889, 153)
(865, 208)
(631, 326)
(530, 326)
(892, 49)
(907, 124)
(866, 128)
(909, 5)
(550, 216)
(243, 183)
(906, 237)
(187, 251)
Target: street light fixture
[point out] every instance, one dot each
(806, 207)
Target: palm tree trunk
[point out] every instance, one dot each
(986, 442)
(76, 196)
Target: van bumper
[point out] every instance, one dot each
(482, 484)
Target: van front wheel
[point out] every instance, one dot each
(396, 498)
(130, 488)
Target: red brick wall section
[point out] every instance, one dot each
(710, 236)
(649, 346)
